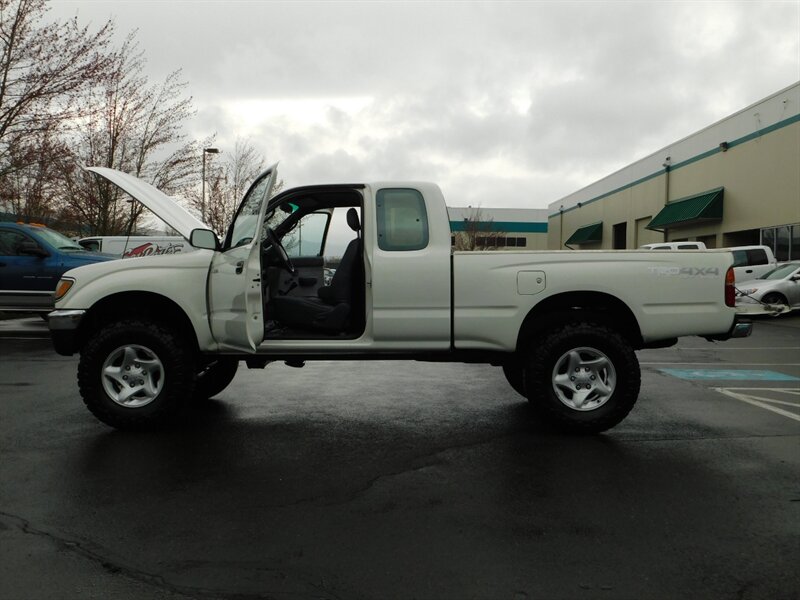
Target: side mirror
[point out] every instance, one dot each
(204, 238)
(29, 248)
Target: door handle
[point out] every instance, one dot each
(239, 267)
(748, 270)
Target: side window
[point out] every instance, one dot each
(402, 220)
(9, 242)
(307, 236)
(740, 258)
(757, 257)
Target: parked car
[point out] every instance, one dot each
(752, 262)
(32, 260)
(780, 286)
(749, 262)
(675, 246)
(135, 246)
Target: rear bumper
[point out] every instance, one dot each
(64, 326)
(740, 328)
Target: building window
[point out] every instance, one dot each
(494, 241)
(620, 236)
(784, 241)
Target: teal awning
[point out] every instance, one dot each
(695, 209)
(588, 234)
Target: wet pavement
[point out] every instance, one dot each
(408, 480)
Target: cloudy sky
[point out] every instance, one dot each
(504, 104)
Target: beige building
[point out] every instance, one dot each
(733, 183)
(498, 228)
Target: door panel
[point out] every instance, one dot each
(410, 270)
(235, 295)
(25, 281)
(308, 278)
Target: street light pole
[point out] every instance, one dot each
(203, 177)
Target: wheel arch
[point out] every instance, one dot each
(781, 295)
(569, 306)
(136, 304)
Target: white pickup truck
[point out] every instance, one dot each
(159, 332)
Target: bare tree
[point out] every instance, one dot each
(227, 181)
(42, 68)
(478, 233)
(132, 126)
(26, 186)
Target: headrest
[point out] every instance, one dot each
(352, 220)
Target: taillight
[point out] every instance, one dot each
(730, 290)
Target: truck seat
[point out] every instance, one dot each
(332, 309)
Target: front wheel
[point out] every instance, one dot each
(582, 377)
(136, 374)
(775, 298)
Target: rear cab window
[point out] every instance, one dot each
(402, 220)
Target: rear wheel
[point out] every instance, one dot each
(582, 377)
(136, 374)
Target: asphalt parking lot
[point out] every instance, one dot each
(389, 480)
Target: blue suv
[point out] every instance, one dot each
(32, 260)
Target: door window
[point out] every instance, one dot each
(757, 257)
(306, 238)
(246, 224)
(402, 220)
(10, 241)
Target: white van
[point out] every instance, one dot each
(674, 246)
(751, 262)
(136, 245)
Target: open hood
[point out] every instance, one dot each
(164, 207)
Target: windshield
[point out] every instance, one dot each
(781, 272)
(56, 240)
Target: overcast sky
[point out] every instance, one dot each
(502, 104)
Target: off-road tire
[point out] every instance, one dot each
(551, 348)
(176, 356)
(215, 377)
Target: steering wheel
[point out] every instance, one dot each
(275, 243)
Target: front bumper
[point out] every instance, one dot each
(64, 326)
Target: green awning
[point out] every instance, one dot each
(588, 234)
(689, 211)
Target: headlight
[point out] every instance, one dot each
(747, 292)
(64, 285)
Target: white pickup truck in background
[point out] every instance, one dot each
(156, 333)
(136, 246)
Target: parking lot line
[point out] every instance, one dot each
(749, 364)
(737, 348)
(760, 401)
